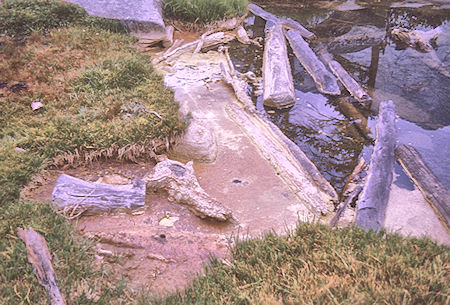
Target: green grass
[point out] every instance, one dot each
(204, 11)
(319, 265)
(95, 88)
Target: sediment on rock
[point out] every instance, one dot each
(375, 195)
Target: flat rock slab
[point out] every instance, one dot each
(142, 17)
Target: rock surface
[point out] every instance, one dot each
(197, 143)
(142, 17)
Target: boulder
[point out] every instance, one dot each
(197, 143)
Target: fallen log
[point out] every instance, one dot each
(285, 22)
(208, 41)
(375, 194)
(349, 82)
(278, 85)
(81, 197)
(179, 181)
(325, 81)
(434, 192)
(39, 257)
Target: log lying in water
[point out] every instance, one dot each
(434, 192)
(325, 81)
(208, 41)
(80, 196)
(40, 259)
(375, 194)
(278, 85)
(349, 82)
(179, 181)
(285, 22)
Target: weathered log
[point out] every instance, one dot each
(349, 82)
(82, 197)
(325, 81)
(359, 38)
(352, 189)
(434, 192)
(286, 157)
(208, 41)
(285, 22)
(179, 181)
(278, 85)
(39, 257)
(375, 194)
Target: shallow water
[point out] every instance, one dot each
(334, 135)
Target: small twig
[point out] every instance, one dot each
(149, 111)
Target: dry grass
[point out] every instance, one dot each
(319, 265)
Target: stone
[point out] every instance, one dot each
(143, 18)
(197, 143)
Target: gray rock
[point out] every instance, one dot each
(197, 143)
(142, 17)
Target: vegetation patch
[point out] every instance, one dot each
(320, 265)
(204, 11)
(95, 96)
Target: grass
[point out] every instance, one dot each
(96, 90)
(319, 265)
(204, 11)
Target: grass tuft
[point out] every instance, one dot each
(204, 11)
(319, 265)
(23, 17)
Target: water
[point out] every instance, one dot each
(335, 135)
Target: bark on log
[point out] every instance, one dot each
(375, 195)
(325, 81)
(349, 82)
(89, 198)
(285, 22)
(179, 181)
(208, 41)
(434, 192)
(40, 259)
(278, 85)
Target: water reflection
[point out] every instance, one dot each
(419, 83)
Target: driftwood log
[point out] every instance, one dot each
(208, 41)
(434, 192)
(325, 81)
(81, 197)
(375, 194)
(278, 84)
(39, 257)
(285, 22)
(349, 82)
(179, 181)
